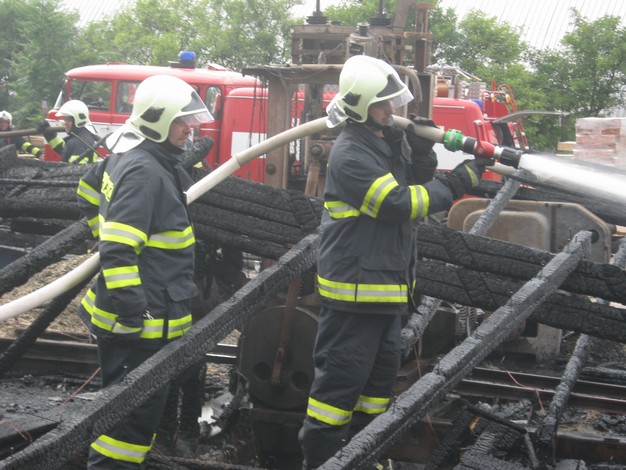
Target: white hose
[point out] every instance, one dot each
(89, 267)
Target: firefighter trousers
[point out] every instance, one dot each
(356, 359)
(126, 444)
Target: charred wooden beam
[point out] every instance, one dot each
(518, 262)
(26, 339)
(50, 251)
(41, 208)
(79, 426)
(488, 291)
(411, 405)
(418, 322)
(451, 441)
(249, 216)
(546, 431)
(483, 455)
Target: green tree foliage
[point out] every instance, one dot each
(352, 12)
(587, 75)
(231, 33)
(37, 39)
(40, 41)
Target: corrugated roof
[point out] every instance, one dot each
(543, 22)
(95, 10)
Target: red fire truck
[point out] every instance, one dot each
(237, 102)
(239, 105)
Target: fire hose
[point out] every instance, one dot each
(559, 172)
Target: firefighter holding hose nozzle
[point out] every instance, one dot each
(380, 180)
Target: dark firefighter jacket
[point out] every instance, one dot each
(21, 145)
(77, 147)
(135, 203)
(367, 247)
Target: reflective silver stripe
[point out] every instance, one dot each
(120, 450)
(377, 194)
(349, 292)
(340, 210)
(371, 405)
(172, 239)
(328, 414)
(88, 193)
(109, 233)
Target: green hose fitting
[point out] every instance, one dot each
(453, 140)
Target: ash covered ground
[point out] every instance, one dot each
(23, 395)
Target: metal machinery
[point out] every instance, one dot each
(276, 345)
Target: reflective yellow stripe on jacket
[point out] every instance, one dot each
(93, 158)
(340, 210)
(122, 276)
(349, 292)
(420, 202)
(122, 233)
(153, 328)
(120, 450)
(93, 197)
(172, 239)
(57, 144)
(377, 193)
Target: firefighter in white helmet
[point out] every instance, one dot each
(21, 144)
(380, 180)
(135, 203)
(80, 144)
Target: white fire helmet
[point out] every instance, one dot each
(5, 115)
(158, 101)
(363, 81)
(78, 110)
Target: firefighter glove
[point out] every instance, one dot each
(469, 173)
(44, 128)
(419, 145)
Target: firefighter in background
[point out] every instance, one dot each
(379, 182)
(22, 145)
(80, 144)
(135, 203)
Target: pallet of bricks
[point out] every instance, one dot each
(601, 140)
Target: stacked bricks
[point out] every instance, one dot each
(601, 140)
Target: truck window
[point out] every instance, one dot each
(95, 94)
(213, 100)
(125, 97)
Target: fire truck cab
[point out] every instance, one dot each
(237, 103)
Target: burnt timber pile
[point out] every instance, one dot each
(515, 283)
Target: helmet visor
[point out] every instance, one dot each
(195, 119)
(195, 112)
(401, 100)
(336, 115)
